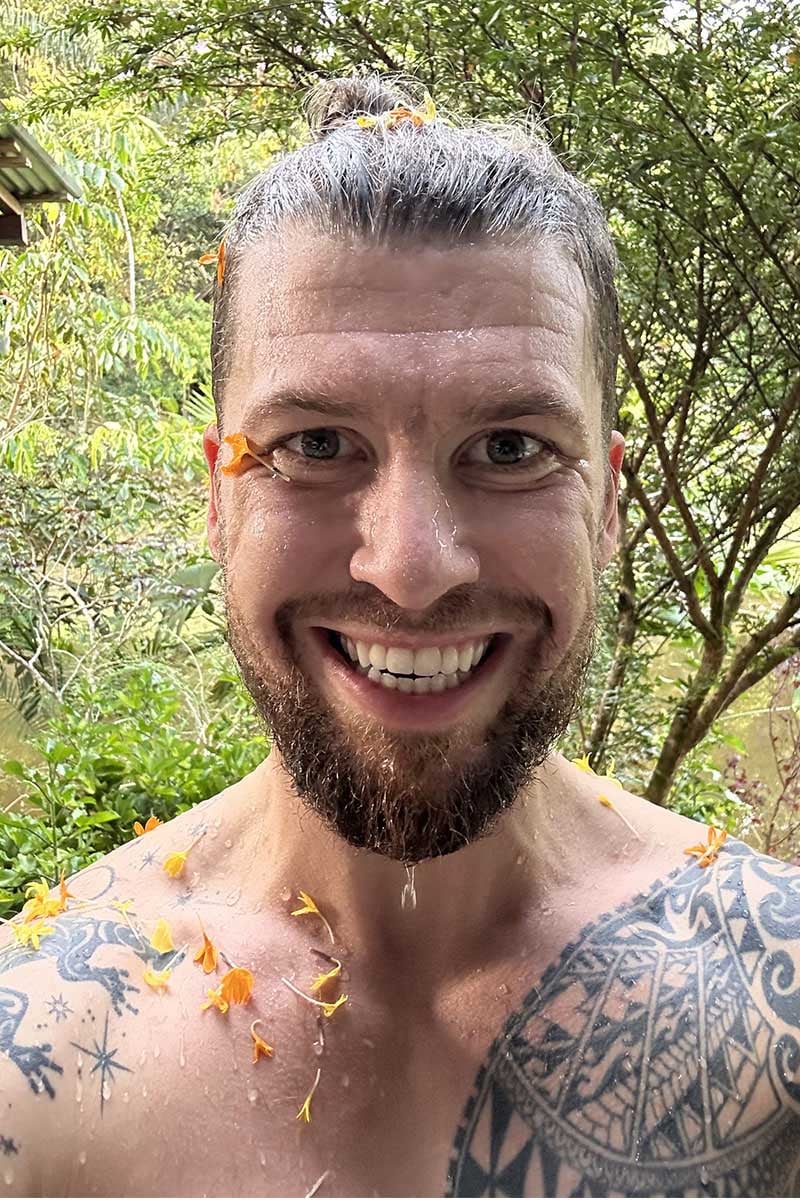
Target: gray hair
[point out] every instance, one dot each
(439, 182)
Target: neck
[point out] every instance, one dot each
(461, 899)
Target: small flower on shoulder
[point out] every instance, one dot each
(708, 853)
(215, 1000)
(237, 985)
(260, 1048)
(305, 1108)
(207, 955)
(31, 933)
(157, 979)
(161, 937)
(309, 906)
(151, 823)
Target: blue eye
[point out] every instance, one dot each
(510, 449)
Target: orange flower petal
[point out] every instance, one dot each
(260, 1048)
(220, 264)
(236, 986)
(207, 955)
(241, 449)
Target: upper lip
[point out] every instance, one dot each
(411, 641)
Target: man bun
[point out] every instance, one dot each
(335, 102)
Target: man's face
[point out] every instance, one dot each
(438, 415)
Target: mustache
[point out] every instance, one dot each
(455, 610)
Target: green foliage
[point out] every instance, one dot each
(104, 767)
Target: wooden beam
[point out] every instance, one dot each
(14, 160)
(9, 146)
(9, 201)
(13, 231)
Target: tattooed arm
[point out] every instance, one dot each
(659, 1056)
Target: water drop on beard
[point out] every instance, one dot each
(408, 896)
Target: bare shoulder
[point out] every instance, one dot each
(660, 1054)
(73, 985)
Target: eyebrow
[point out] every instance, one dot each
(542, 402)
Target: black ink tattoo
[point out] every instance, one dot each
(147, 860)
(659, 1056)
(105, 1063)
(58, 1008)
(33, 1061)
(8, 1146)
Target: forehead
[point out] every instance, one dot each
(415, 322)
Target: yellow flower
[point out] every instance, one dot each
(309, 906)
(305, 1108)
(157, 979)
(329, 1009)
(174, 863)
(583, 764)
(64, 894)
(26, 934)
(708, 853)
(215, 1000)
(237, 986)
(260, 1047)
(606, 803)
(161, 938)
(321, 980)
(207, 955)
(151, 823)
(122, 906)
(38, 891)
(41, 904)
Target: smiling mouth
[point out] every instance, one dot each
(426, 672)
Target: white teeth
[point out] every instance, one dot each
(465, 657)
(377, 656)
(449, 660)
(400, 661)
(435, 669)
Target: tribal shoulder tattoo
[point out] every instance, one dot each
(659, 1057)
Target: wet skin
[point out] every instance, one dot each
(652, 1052)
(531, 1027)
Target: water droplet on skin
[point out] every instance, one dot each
(106, 1090)
(8, 1177)
(144, 1090)
(156, 1051)
(181, 1055)
(78, 1089)
(520, 859)
(252, 1095)
(126, 1097)
(286, 895)
(262, 1158)
(368, 1043)
(503, 990)
(82, 1158)
(227, 843)
(345, 1081)
(408, 896)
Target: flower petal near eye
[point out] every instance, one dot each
(241, 449)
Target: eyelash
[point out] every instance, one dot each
(548, 449)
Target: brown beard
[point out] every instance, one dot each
(417, 796)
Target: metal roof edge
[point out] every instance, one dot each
(9, 128)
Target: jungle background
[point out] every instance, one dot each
(118, 695)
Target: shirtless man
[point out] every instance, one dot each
(415, 331)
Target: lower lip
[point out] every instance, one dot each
(407, 709)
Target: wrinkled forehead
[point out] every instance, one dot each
(313, 309)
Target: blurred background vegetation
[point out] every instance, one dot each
(118, 696)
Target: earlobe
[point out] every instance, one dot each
(211, 444)
(616, 453)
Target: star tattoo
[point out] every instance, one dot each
(105, 1063)
(58, 1008)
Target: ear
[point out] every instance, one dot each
(211, 444)
(608, 538)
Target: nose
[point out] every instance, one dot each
(410, 542)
